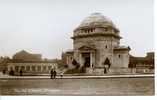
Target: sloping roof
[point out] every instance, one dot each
(25, 56)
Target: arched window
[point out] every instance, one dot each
(33, 68)
(49, 67)
(28, 68)
(22, 67)
(44, 68)
(16, 68)
(39, 68)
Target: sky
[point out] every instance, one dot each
(45, 26)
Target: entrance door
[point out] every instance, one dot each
(86, 57)
(87, 62)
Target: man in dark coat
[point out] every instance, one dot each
(11, 72)
(52, 73)
(21, 72)
(105, 70)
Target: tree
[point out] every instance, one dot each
(74, 62)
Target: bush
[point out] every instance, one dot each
(76, 70)
(74, 62)
(72, 71)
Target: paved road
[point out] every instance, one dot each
(90, 86)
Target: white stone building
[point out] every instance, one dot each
(30, 64)
(31, 68)
(96, 46)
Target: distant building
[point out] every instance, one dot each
(142, 64)
(25, 56)
(67, 57)
(3, 62)
(30, 64)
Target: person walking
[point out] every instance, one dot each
(105, 70)
(21, 72)
(4, 71)
(52, 73)
(61, 74)
(11, 72)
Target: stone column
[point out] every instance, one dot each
(25, 69)
(41, 70)
(80, 59)
(91, 59)
(67, 60)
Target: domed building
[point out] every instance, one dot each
(96, 46)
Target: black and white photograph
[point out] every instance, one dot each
(77, 48)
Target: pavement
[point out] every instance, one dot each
(2, 76)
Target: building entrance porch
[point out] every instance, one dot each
(87, 59)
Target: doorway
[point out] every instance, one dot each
(86, 58)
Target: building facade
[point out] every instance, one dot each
(96, 46)
(30, 64)
(142, 64)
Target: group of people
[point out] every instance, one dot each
(53, 73)
(12, 72)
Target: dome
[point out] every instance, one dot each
(95, 25)
(96, 19)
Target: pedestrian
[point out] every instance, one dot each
(52, 73)
(4, 71)
(61, 74)
(105, 70)
(11, 72)
(21, 72)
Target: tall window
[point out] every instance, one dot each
(16, 68)
(33, 68)
(49, 67)
(39, 68)
(22, 67)
(27, 68)
(44, 68)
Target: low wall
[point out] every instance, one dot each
(121, 70)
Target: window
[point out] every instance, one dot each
(33, 68)
(106, 46)
(22, 67)
(44, 68)
(16, 68)
(28, 68)
(39, 68)
(49, 67)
